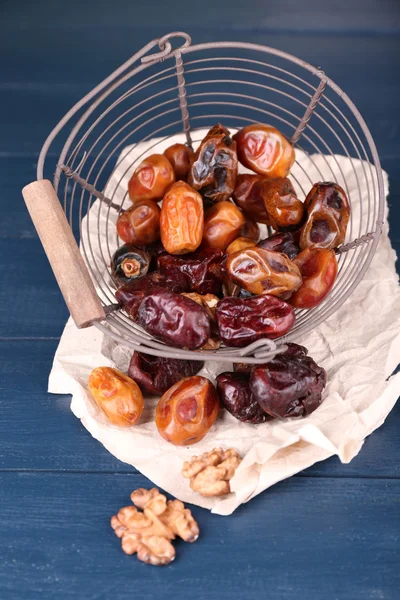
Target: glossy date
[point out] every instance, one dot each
(181, 158)
(174, 319)
(222, 224)
(151, 179)
(319, 268)
(248, 195)
(215, 165)
(186, 412)
(242, 321)
(286, 243)
(328, 212)
(284, 209)
(205, 270)
(262, 271)
(236, 396)
(155, 374)
(263, 149)
(140, 224)
(182, 219)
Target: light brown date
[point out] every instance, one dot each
(140, 224)
(222, 224)
(263, 149)
(117, 395)
(186, 412)
(151, 179)
(285, 211)
(181, 158)
(182, 219)
(261, 271)
(241, 243)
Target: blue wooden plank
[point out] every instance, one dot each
(37, 89)
(332, 15)
(303, 540)
(31, 418)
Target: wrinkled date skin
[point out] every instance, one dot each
(129, 263)
(174, 319)
(248, 195)
(241, 243)
(222, 224)
(286, 243)
(205, 270)
(318, 268)
(292, 350)
(290, 385)
(182, 219)
(151, 179)
(140, 224)
(131, 294)
(155, 375)
(284, 209)
(328, 211)
(263, 149)
(215, 165)
(250, 230)
(235, 395)
(117, 395)
(187, 411)
(242, 321)
(181, 158)
(262, 271)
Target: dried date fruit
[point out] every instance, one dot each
(182, 219)
(235, 395)
(174, 319)
(186, 412)
(222, 224)
(242, 321)
(250, 230)
(291, 350)
(207, 301)
(241, 243)
(131, 294)
(155, 374)
(328, 212)
(286, 243)
(129, 263)
(284, 209)
(181, 158)
(117, 395)
(151, 179)
(215, 165)
(290, 385)
(204, 270)
(263, 149)
(318, 267)
(262, 271)
(248, 195)
(140, 224)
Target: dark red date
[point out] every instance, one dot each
(290, 385)
(174, 319)
(248, 195)
(205, 270)
(286, 243)
(155, 374)
(235, 395)
(131, 294)
(328, 211)
(242, 321)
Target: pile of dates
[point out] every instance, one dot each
(193, 272)
(289, 385)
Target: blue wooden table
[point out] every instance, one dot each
(331, 532)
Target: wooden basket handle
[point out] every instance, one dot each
(63, 253)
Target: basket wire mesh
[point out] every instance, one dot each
(154, 97)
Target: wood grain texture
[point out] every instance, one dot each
(305, 539)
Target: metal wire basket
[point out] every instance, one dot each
(179, 91)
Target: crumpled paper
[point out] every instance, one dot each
(358, 346)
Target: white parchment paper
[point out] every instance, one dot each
(359, 346)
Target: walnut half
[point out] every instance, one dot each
(211, 472)
(149, 533)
